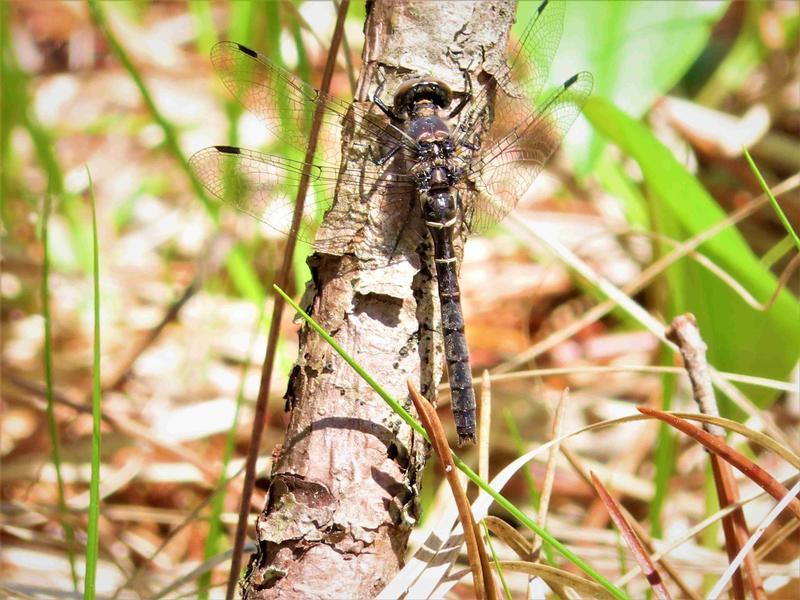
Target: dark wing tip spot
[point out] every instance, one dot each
(571, 81)
(248, 51)
(229, 149)
(542, 6)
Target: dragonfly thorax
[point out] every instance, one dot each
(428, 129)
(436, 168)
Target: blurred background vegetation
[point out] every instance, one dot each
(120, 94)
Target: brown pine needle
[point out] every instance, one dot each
(476, 553)
(759, 476)
(643, 559)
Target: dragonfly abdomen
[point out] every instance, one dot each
(439, 209)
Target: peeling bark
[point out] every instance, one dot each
(344, 486)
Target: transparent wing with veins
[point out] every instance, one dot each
(265, 186)
(505, 170)
(526, 130)
(526, 73)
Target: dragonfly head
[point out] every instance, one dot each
(422, 93)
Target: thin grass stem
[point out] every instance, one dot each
(92, 542)
(776, 207)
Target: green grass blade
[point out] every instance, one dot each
(777, 207)
(241, 22)
(244, 278)
(739, 62)
(170, 133)
(533, 491)
(16, 109)
(92, 541)
(239, 30)
(665, 458)
(632, 55)
(777, 252)
(519, 447)
(501, 500)
(52, 426)
(496, 561)
(623, 564)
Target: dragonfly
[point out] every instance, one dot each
(429, 152)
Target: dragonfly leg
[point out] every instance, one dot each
(465, 98)
(382, 105)
(386, 157)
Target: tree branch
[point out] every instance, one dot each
(345, 483)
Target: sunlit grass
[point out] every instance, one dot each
(92, 541)
(237, 259)
(775, 206)
(664, 453)
(495, 560)
(530, 482)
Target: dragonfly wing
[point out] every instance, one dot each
(261, 185)
(286, 104)
(505, 169)
(527, 72)
(265, 186)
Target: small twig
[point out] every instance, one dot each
(685, 333)
(476, 553)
